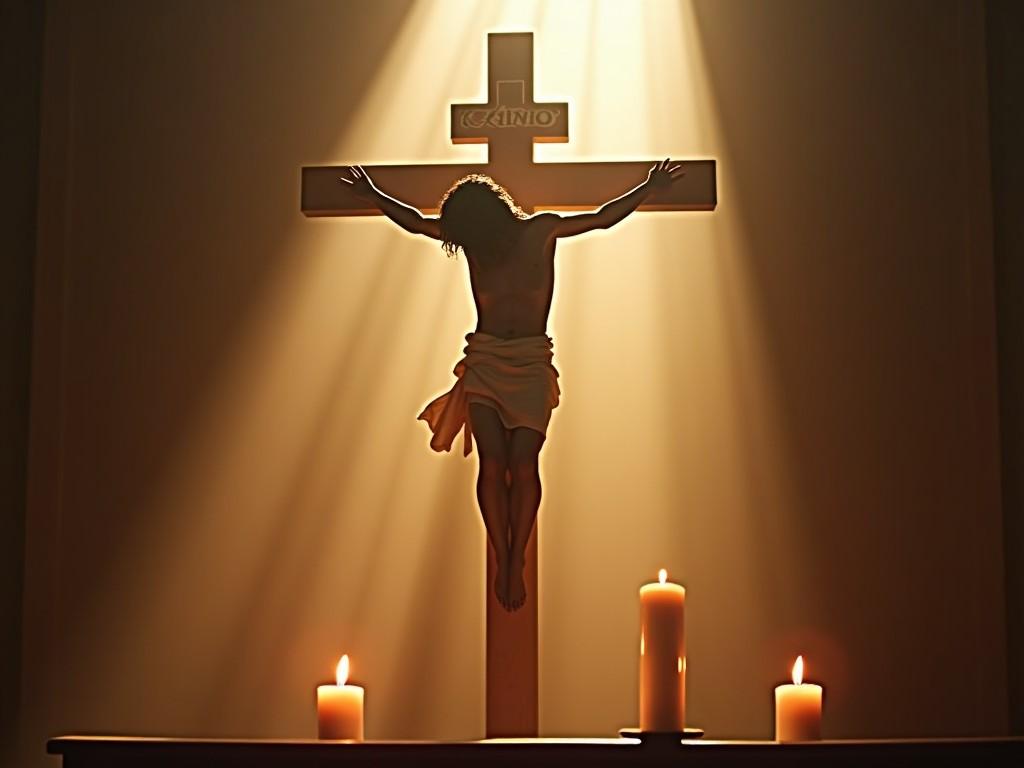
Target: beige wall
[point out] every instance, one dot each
(789, 403)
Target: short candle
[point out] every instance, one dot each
(662, 656)
(798, 708)
(339, 708)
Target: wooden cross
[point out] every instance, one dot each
(510, 123)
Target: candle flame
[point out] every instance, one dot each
(662, 576)
(342, 672)
(798, 671)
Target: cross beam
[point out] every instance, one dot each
(510, 123)
(538, 187)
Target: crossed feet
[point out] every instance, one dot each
(509, 587)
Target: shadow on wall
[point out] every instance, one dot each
(854, 155)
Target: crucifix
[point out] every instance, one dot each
(510, 122)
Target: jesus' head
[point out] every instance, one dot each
(477, 215)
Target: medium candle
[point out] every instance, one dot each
(339, 708)
(798, 708)
(662, 656)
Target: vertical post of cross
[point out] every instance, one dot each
(511, 114)
(512, 653)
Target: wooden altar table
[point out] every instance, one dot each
(123, 752)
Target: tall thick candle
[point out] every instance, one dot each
(662, 656)
(339, 708)
(798, 708)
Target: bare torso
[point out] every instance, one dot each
(513, 291)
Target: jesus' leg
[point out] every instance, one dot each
(492, 489)
(524, 500)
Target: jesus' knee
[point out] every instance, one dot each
(524, 471)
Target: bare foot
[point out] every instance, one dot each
(516, 593)
(501, 582)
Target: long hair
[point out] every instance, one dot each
(475, 213)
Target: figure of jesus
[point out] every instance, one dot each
(506, 385)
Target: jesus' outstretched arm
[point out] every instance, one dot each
(405, 216)
(661, 176)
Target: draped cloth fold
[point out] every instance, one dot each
(515, 377)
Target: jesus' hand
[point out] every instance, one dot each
(360, 183)
(663, 173)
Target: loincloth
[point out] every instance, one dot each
(515, 377)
